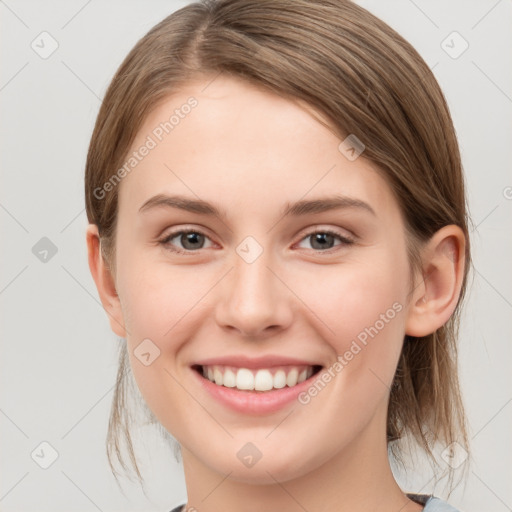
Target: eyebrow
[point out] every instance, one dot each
(296, 209)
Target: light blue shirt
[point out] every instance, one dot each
(432, 504)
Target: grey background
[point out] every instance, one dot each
(58, 355)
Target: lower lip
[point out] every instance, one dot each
(255, 402)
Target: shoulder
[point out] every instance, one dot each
(432, 503)
(437, 505)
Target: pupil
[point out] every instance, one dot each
(191, 237)
(321, 239)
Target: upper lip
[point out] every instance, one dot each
(255, 362)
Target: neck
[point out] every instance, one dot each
(355, 479)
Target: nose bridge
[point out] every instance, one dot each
(253, 299)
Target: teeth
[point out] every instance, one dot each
(291, 378)
(258, 380)
(229, 379)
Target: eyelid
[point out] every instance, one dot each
(319, 228)
(164, 240)
(344, 239)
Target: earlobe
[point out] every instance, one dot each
(435, 298)
(104, 281)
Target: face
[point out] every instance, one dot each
(259, 292)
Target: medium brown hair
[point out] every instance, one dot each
(366, 80)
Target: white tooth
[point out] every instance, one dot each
(217, 375)
(210, 373)
(229, 379)
(279, 379)
(292, 376)
(205, 372)
(263, 380)
(244, 379)
(302, 376)
(310, 372)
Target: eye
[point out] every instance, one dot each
(192, 240)
(189, 238)
(324, 240)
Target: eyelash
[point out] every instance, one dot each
(165, 241)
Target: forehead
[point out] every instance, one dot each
(224, 138)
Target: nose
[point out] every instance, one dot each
(253, 300)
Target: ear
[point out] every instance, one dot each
(104, 281)
(435, 297)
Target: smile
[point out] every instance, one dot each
(263, 379)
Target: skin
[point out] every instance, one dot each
(249, 152)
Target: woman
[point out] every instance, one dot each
(278, 229)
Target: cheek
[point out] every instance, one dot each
(362, 310)
(156, 297)
(349, 299)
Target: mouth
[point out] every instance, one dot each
(257, 380)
